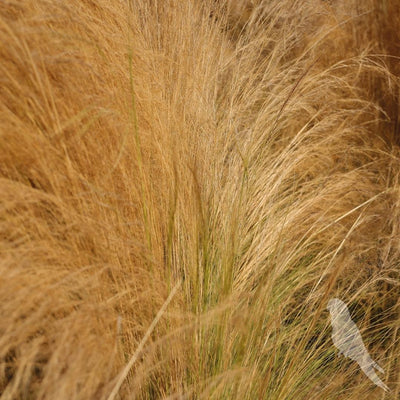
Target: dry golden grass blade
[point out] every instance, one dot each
(142, 343)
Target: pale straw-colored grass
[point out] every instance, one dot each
(184, 185)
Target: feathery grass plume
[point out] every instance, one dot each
(249, 151)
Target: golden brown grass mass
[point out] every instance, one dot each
(184, 185)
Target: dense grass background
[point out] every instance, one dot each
(184, 185)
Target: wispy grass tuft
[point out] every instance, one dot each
(184, 185)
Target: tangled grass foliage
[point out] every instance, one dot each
(184, 185)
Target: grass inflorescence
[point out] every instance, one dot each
(183, 187)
